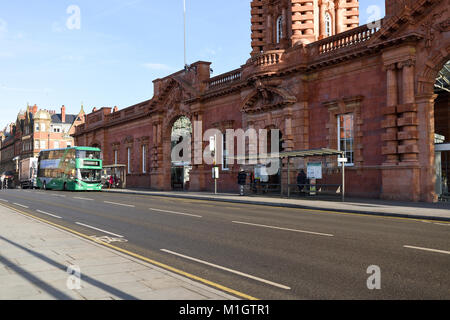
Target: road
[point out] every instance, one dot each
(264, 252)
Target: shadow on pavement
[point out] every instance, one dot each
(51, 290)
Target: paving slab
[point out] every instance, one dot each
(35, 268)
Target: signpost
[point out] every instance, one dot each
(215, 169)
(343, 161)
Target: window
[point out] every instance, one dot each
(56, 144)
(43, 127)
(328, 28)
(144, 155)
(279, 29)
(129, 160)
(42, 144)
(36, 144)
(36, 128)
(346, 136)
(225, 165)
(82, 154)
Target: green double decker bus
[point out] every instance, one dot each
(73, 169)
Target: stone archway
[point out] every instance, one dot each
(427, 72)
(177, 165)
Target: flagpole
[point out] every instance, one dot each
(184, 7)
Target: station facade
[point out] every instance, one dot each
(323, 81)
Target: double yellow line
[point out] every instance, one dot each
(135, 255)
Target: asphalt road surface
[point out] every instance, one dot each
(264, 252)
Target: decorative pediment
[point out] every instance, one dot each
(265, 98)
(174, 91)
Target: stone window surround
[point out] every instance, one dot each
(223, 126)
(343, 106)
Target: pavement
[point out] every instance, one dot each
(42, 262)
(417, 210)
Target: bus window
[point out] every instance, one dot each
(82, 154)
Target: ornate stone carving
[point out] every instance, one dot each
(265, 98)
(429, 27)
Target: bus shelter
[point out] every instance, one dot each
(118, 171)
(286, 157)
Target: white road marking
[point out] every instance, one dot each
(229, 270)
(285, 229)
(443, 224)
(428, 249)
(87, 199)
(174, 212)
(58, 195)
(49, 214)
(4, 200)
(120, 204)
(107, 239)
(91, 227)
(20, 205)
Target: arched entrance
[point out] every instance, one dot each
(442, 132)
(181, 134)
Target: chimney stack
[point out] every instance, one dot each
(63, 114)
(35, 109)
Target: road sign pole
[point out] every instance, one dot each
(343, 181)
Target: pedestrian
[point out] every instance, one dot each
(111, 181)
(2, 180)
(116, 181)
(242, 180)
(301, 181)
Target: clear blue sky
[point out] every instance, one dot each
(119, 49)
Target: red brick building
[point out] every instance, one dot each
(321, 79)
(36, 130)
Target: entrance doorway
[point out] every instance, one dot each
(181, 153)
(442, 132)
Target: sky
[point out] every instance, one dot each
(106, 53)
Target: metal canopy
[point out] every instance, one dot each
(294, 154)
(443, 79)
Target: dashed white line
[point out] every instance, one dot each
(229, 270)
(101, 230)
(49, 214)
(428, 249)
(4, 200)
(58, 195)
(174, 212)
(120, 204)
(20, 205)
(86, 199)
(285, 229)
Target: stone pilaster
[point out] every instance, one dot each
(390, 149)
(408, 122)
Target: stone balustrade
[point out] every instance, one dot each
(346, 39)
(225, 79)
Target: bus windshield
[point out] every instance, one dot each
(83, 154)
(89, 175)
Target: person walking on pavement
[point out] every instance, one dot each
(2, 180)
(242, 180)
(111, 181)
(301, 181)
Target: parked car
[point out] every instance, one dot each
(9, 178)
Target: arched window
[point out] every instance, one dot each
(279, 28)
(328, 25)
